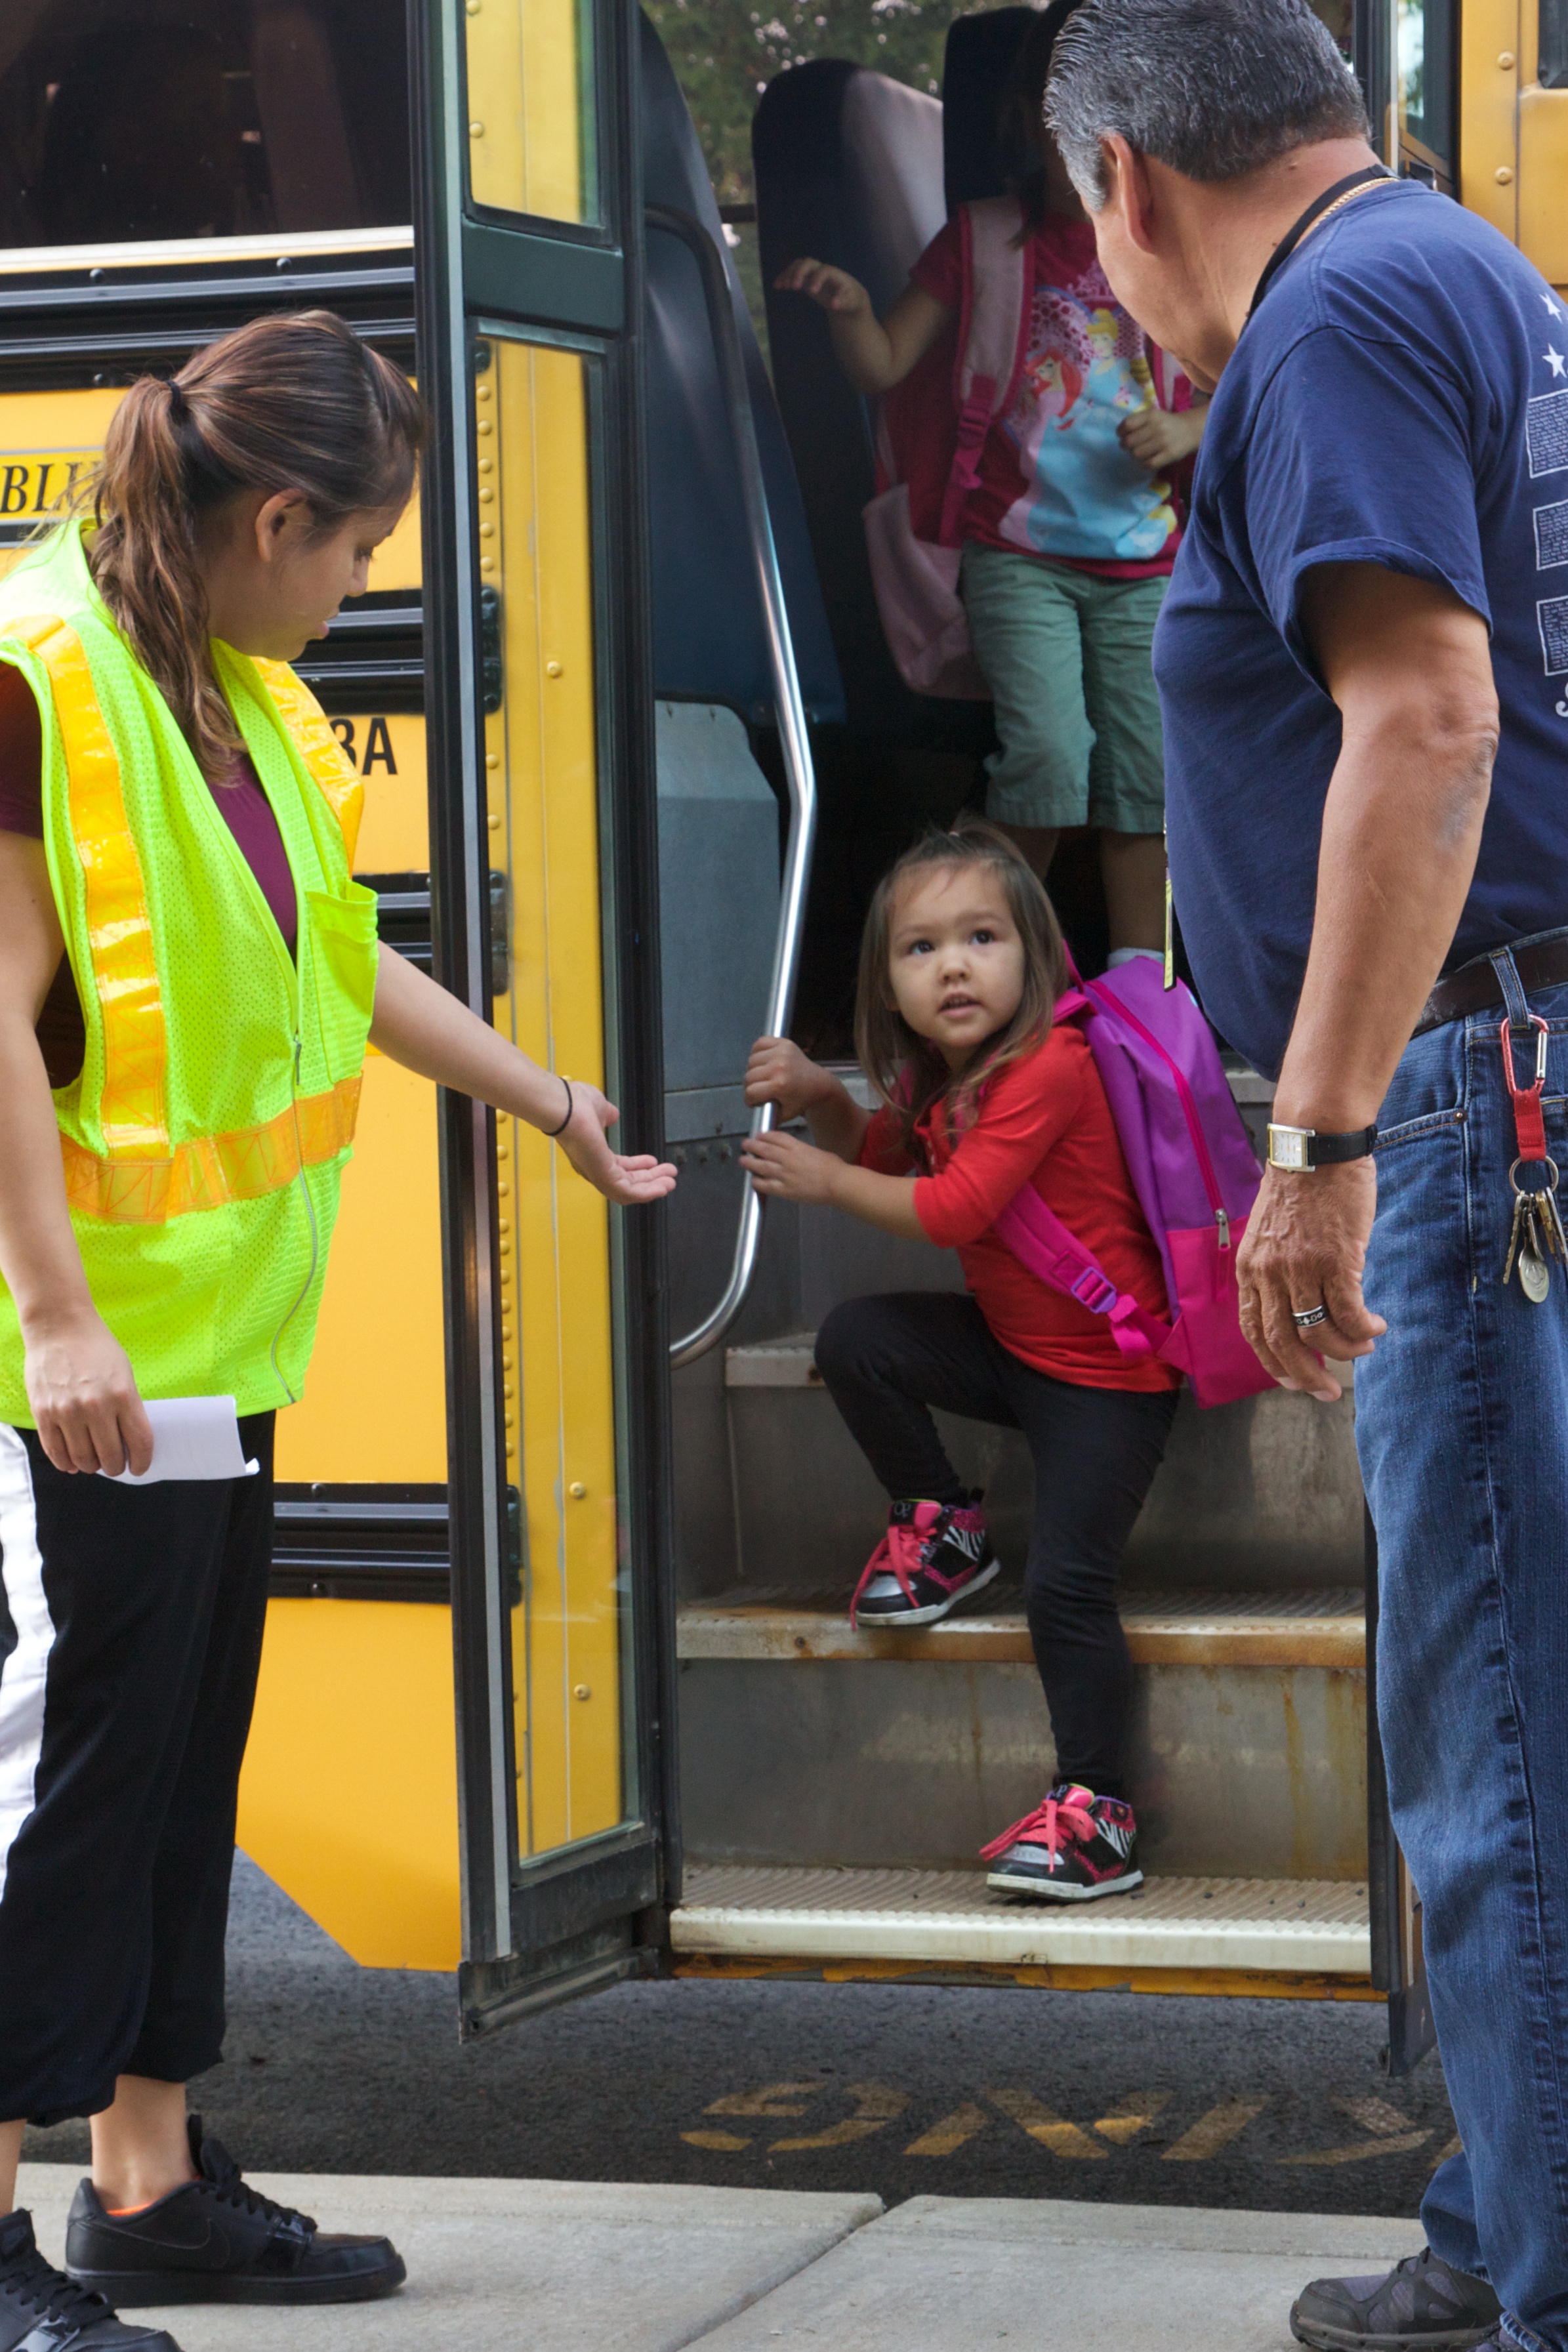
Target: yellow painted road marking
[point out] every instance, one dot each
(876, 2108)
(1374, 2115)
(726, 2142)
(1450, 2148)
(773, 2099)
(1214, 2131)
(964, 2123)
(1043, 2123)
(1131, 2115)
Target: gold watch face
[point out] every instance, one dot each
(1288, 1146)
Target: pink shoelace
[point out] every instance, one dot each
(1059, 1821)
(898, 1554)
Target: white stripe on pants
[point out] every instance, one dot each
(23, 1671)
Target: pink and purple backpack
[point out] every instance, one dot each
(1192, 1168)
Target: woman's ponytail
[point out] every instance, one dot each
(284, 403)
(144, 560)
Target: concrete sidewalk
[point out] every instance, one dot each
(582, 2266)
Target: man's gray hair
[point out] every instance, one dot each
(1214, 89)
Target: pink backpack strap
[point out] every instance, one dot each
(1045, 1248)
(992, 341)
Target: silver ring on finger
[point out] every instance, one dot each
(1309, 1317)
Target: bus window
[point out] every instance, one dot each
(1426, 82)
(118, 126)
(1552, 71)
(531, 108)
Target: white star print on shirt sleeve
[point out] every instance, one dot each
(1551, 306)
(1555, 359)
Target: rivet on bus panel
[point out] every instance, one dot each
(576, 1490)
(495, 824)
(1504, 175)
(581, 1690)
(1507, 60)
(476, 129)
(553, 669)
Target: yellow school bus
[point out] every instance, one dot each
(558, 1682)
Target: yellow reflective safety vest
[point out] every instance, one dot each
(205, 1138)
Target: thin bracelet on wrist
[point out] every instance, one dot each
(552, 1132)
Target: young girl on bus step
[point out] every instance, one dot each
(1071, 531)
(961, 967)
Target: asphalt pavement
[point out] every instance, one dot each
(898, 2091)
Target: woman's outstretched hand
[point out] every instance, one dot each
(84, 1398)
(632, 1179)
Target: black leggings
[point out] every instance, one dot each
(886, 1360)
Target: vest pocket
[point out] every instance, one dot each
(343, 954)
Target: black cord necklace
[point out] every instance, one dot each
(1342, 191)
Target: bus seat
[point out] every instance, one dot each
(710, 644)
(977, 65)
(849, 168)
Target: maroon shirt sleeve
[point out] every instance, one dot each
(939, 272)
(21, 756)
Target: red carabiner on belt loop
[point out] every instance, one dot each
(1529, 1124)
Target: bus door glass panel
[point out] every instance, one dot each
(532, 422)
(1425, 69)
(530, 110)
(139, 123)
(1543, 140)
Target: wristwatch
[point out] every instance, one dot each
(1303, 1148)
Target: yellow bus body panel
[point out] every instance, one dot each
(349, 1796)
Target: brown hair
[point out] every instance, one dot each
(284, 403)
(907, 1071)
(1023, 112)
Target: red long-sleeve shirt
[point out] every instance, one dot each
(1045, 1120)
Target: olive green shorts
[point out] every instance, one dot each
(1067, 656)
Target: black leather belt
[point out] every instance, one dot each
(1474, 988)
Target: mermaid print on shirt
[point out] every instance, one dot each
(1086, 368)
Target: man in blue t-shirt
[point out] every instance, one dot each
(1364, 670)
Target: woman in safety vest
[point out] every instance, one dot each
(188, 979)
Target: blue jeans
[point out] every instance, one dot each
(1462, 1427)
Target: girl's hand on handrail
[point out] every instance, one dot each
(778, 1072)
(632, 1179)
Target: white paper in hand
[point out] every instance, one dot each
(193, 1437)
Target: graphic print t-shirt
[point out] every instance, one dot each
(1054, 479)
(1400, 398)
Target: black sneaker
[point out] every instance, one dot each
(932, 1556)
(1073, 1847)
(216, 2240)
(1420, 2306)
(41, 2310)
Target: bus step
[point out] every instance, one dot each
(896, 1921)
(1320, 1626)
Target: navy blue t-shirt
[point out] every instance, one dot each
(1399, 397)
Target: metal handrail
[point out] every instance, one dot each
(799, 771)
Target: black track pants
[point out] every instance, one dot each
(886, 1360)
(131, 1625)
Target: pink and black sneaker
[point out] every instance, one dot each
(932, 1556)
(1073, 1847)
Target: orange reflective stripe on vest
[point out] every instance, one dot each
(134, 1112)
(216, 1169)
(317, 747)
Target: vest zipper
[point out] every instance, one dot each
(310, 1218)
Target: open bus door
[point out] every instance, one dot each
(539, 729)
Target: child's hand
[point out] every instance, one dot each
(1159, 437)
(780, 1073)
(830, 288)
(786, 1168)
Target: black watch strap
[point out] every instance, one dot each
(1305, 1147)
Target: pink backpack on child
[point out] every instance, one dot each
(928, 453)
(1192, 1168)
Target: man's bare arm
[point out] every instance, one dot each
(1410, 668)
